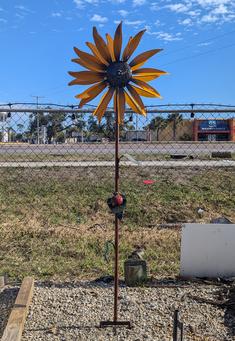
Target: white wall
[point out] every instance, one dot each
(3, 128)
(208, 250)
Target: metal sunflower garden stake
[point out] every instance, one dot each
(125, 81)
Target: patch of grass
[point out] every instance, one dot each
(48, 216)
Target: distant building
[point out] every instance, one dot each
(4, 136)
(214, 130)
(184, 131)
(188, 130)
(138, 135)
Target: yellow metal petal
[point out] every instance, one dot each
(132, 103)
(81, 82)
(86, 57)
(110, 46)
(96, 53)
(136, 97)
(146, 87)
(143, 92)
(135, 67)
(120, 105)
(89, 65)
(101, 45)
(93, 91)
(149, 72)
(134, 43)
(143, 57)
(82, 103)
(115, 101)
(102, 106)
(145, 78)
(90, 76)
(117, 43)
(126, 50)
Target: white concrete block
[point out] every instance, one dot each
(208, 250)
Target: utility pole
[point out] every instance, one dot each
(38, 124)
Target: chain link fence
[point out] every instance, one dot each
(57, 164)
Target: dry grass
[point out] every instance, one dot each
(47, 214)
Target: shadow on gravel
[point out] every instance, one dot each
(78, 284)
(107, 282)
(7, 299)
(229, 315)
(55, 330)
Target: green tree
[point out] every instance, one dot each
(19, 135)
(175, 118)
(157, 124)
(20, 127)
(94, 127)
(52, 121)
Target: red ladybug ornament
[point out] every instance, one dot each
(118, 199)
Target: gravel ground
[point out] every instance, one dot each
(7, 299)
(72, 311)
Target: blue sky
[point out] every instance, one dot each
(198, 38)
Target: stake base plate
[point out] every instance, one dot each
(104, 324)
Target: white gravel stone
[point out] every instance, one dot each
(73, 311)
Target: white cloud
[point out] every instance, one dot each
(56, 14)
(20, 16)
(157, 23)
(200, 11)
(134, 22)
(186, 22)
(155, 6)
(178, 8)
(123, 13)
(205, 3)
(194, 13)
(82, 3)
(166, 36)
(205, 44)
(209, 18)
(221, 9)
(23, 9)
(99, 18)
(131, 23)
(79, 3)
(136, 3)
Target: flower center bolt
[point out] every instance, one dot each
(119, 74)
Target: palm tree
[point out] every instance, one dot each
(156, 124)
(20, 127)
(175, 118)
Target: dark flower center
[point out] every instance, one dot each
(118, 74)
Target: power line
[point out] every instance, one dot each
(199, 54)
(202, 41)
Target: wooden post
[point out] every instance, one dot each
(15, 324)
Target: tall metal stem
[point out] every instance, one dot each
(116, 279)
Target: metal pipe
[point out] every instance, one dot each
(115, 318)
(89, 111)
(175, 327)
